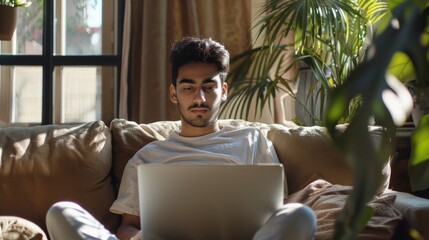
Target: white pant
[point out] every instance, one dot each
(69, 221)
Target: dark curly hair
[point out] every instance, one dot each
(193, 49)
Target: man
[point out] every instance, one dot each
(199, 70)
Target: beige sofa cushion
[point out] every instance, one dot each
(128, 137)
(306, 152)
(16, 228)
(45, 164)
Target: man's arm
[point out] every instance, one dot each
(130, 226)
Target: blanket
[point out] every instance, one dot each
(327, 200)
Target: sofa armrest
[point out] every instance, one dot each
(414, 209)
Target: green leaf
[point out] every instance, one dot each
(397, 99)
(378, 94)
(402, 67)
(419, 162)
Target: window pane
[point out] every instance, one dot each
(27, 95)
(82, 27)
(81, 93)
(29, 30)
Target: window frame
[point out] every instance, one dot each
(49, 61)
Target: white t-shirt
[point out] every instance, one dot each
(230, 145)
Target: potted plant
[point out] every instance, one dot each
(329, 40)
(8, 16)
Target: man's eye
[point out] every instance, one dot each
(210, 88)
(188, 88)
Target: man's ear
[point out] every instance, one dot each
(173, 94)
(224, 91)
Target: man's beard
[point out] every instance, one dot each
(200, 121)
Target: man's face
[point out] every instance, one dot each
(199, 93)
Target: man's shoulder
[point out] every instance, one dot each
(242, 129)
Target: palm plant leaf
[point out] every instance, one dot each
(315, 24)
(247, 89)
(373, 10)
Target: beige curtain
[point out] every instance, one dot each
(151, 27)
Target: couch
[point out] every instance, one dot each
(41, 165)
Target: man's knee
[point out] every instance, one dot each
(56, 211)
(297, 212)
(297, 219)
(69, 221)
(293, 221)
(58, 220)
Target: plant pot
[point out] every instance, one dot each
(310, 103)
(8, 18)
(306, 101)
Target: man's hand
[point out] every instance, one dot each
(129, 228)
(138, 236)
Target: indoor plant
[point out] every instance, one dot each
(8, 16)
(329, 42)
(387, 99)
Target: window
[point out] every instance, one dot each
(63, 63)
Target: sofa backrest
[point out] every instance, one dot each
(42, 165)
(307, 153)
(84, 163)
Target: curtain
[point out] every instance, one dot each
(150, 29)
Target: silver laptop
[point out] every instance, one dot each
(207, 201)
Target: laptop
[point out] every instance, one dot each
(207, 201)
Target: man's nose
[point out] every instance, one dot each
(200, 96)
